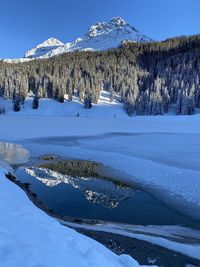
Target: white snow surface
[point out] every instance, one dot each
(162, 153)
(44, 48)
(28, 236)
(100, 36)
(49, 107)
(13, 153)
(168, 146)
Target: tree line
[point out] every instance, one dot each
(148, 77)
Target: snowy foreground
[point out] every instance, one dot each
(161, 153)
(28, 237)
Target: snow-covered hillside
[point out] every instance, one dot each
(49, 107)
(100, 36)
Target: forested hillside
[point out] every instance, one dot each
(148, 76)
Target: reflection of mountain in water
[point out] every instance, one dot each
(95, 190)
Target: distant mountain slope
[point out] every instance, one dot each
(43, 48)
(100, 36)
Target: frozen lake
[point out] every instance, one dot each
(99, 199)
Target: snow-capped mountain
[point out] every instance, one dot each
(44, 48)
(100, 36)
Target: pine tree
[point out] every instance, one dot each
(112, 94)
(129, 104)
(16, 105)
(35, 103)
(157, 74)
(61, 99)
(87, 100)
(3, 111)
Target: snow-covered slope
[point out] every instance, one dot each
(44, 48)
(49, 107)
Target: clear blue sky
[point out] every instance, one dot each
(26, 23)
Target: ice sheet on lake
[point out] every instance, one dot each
(29, 237)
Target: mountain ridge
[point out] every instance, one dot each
(44, 47)
(100, 36)
(103, 36)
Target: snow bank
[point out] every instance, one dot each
(13, 153)
(29, 237)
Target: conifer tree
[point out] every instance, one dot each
(35, 103)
